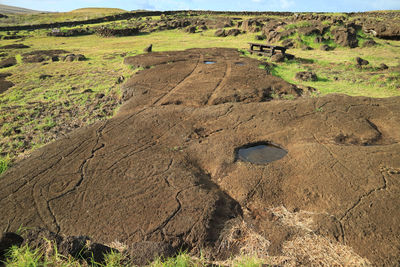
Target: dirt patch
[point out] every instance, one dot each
(14, 46)
(41, 55)
(5, 85)
(8, 62)
(164, 168)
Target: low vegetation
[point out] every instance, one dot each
(26, 256)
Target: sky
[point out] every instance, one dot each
(225, 5)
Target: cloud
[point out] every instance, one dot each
(286, 4)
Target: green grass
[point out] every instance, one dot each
(4, 164)
(301, 24)
(38, 18)
(27, 257)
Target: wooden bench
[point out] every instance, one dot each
(266, 49)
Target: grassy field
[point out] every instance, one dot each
(74, 15)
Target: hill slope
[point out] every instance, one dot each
(14, 10)
(97, 10)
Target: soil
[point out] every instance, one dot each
(5, 85)
(164, 169)
(14, 46)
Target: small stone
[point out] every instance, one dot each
(361, 62)
(278, 58)
(306, 76)
(148, 49)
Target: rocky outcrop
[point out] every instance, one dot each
(8, 62)
(345, 36)
(165, 168)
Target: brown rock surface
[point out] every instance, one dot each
(4, 84)
(164, 168)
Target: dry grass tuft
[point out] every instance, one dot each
(238, 234)
(315, 250)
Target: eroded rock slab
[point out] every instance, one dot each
(164, 169)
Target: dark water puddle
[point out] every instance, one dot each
(240, 63)
(209, 62)
(260, 153)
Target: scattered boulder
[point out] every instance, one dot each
(5, 85)
(8, 62)
(55, 58)
(385, 30)
(109, 32)
(288, 43)
(120, 80)
(306, 48)
(42, 55)
(306, 76)
(73, 57)
(233, 32)
(80, 57)
(220, 33)
(148, 49)
(319, 39)
(307, 90)
(383, 66)
(278, 57)
(191, 29)
(326, 47)
(361, 62)
(70, 33)
(203, 27)
(44, 76)
(345, 36)
(14, 46)
(251, 25)
(260, 37)
(369, 43)
(309, 30)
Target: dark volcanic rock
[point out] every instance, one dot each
(41, 55)
(148, 49)
(4, 85)
(8, 62)
(361, 62)
(306, 76)
(14, 46)
(44, 76)
(220, 33)
(383, 66)
(288, 43)
(278, 57)
(326, 48)
(261, 37)
(233, 32)
(369, 43)
(345, 36)
(191, 29)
